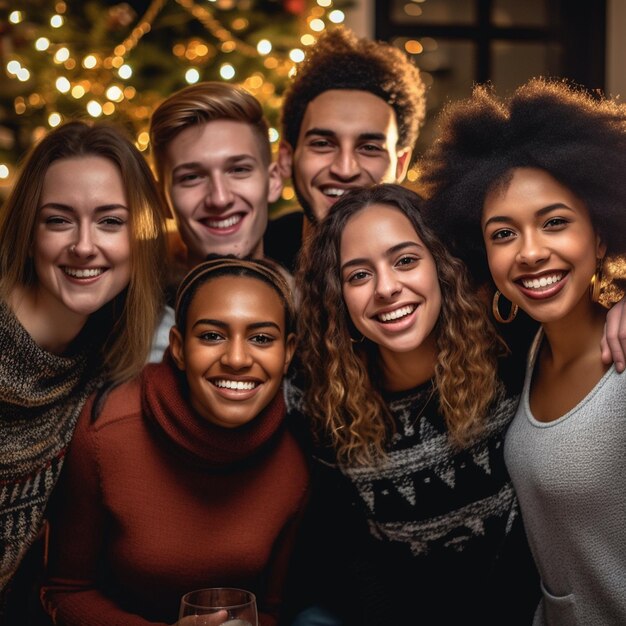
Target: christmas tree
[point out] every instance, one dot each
(100, 59)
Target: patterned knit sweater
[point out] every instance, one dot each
(41, 395)
(431, 531)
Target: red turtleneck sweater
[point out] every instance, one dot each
(155, 501)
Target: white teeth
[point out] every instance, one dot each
(239, 385)
(397, 314)
(544, 281)
(227, 223)
(87, 273)
(334, 192)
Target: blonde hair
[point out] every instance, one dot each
(132, 317)
(344, 381)
(199, 104)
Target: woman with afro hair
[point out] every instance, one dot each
(532, 190)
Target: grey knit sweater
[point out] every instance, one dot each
(41, 395)
(570, 478)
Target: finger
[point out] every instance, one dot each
(615, 337)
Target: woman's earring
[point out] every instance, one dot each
(358, 340)
(495, 308)
(595, 286)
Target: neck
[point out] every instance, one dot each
(46, 320)
(405, 370)
(577, 335)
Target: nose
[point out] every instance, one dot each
(219, 195)
(532, 250)
(236, 355)
(85, 245)
(345, 164)
(387, 284)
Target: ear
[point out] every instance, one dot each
(290, 349)
(402, 167)
(600, 248)
(285, 160)
(176, 348)
(275, 185)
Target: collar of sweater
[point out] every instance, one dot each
(165, 404)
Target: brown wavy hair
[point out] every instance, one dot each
(343, 394)
(125, 326)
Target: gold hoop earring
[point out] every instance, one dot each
(495, 308)
(595, 286)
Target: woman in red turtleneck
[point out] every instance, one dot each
(186, 478)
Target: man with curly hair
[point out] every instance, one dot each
(350, 119)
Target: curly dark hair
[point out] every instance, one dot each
(344, 383)
(340, 60)
(578, 137)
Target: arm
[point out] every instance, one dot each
(71, 593)
(614, 339)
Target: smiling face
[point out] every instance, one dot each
(81, 242)
(541, 245)
(348, 139)
(235, 350)
(219, 185)
(389, 280)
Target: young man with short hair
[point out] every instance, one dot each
(213, 160)
(350, 119)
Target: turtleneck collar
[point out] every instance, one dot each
(164, 403)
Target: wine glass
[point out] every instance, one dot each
(218, 606)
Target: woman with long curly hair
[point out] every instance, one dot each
(532, 188)
(402, 390)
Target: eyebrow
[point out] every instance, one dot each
(397, 248)
(326, 132)
(503, 219)
(225, 325)
(235, 158)
(58, 206)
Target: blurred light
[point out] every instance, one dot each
(56, 21)
(264, 46)
(143, 138)
(336, 16)
(317, 25)
(15, 17)
(42, 44)
(412, 175)
(78, 91)
(62, 55)
(192, 76)
(108, 108)
(202, 50)
(296, 55)
(115, 93)
(240, 23)
(90, 61)
(54, 119)
(62, 84)
(227, 71)
(94, 109)
(35, 100)
(23, 74)
(413, 47)
(307, 40)
(228, 46)
(324, 3)
(254, 82)
(13, 67)
(125, 71)
(413, 10)
(130, 92)
(119, 51)
(271, 63)
(273, 134)
(4, 171)
(60, 7)
(117, 61)
(288, 193)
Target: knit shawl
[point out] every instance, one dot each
(41, 395)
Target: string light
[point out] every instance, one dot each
(42, 44)
(56, 21)
(227, 71)
(15, 17)
(4, 171)
(62, 84)
(192, 76)
(94, 108)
